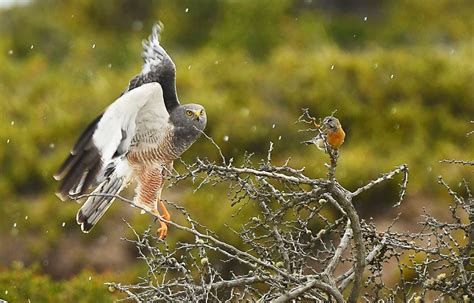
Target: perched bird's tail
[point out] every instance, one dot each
(117, 175)
(318, 141)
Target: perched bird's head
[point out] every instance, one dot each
(331, 124)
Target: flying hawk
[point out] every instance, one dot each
(136, 139)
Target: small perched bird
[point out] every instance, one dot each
(331, 129)
(136, 139)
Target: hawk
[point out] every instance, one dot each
(135, 139)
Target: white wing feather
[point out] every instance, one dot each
(121, 118)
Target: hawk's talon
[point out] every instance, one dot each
(166, 214)
(163, 230)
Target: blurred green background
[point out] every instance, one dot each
(399, 73)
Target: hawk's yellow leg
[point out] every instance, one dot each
(163, 230)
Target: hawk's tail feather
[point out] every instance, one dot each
(101, 199)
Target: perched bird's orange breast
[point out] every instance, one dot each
(336, 139)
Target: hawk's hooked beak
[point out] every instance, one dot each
(198, 114)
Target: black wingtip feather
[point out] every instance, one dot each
(91, 175)
(84, 140)
(87, 164)
(86, 136)
(82, 164)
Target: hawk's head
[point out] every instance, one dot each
(189, 121)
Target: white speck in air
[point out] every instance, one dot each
(226, 138)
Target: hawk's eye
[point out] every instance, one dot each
(189, 113)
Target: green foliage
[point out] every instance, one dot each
(20, 284)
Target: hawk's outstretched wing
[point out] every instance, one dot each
(158, 67)
(109, 136)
